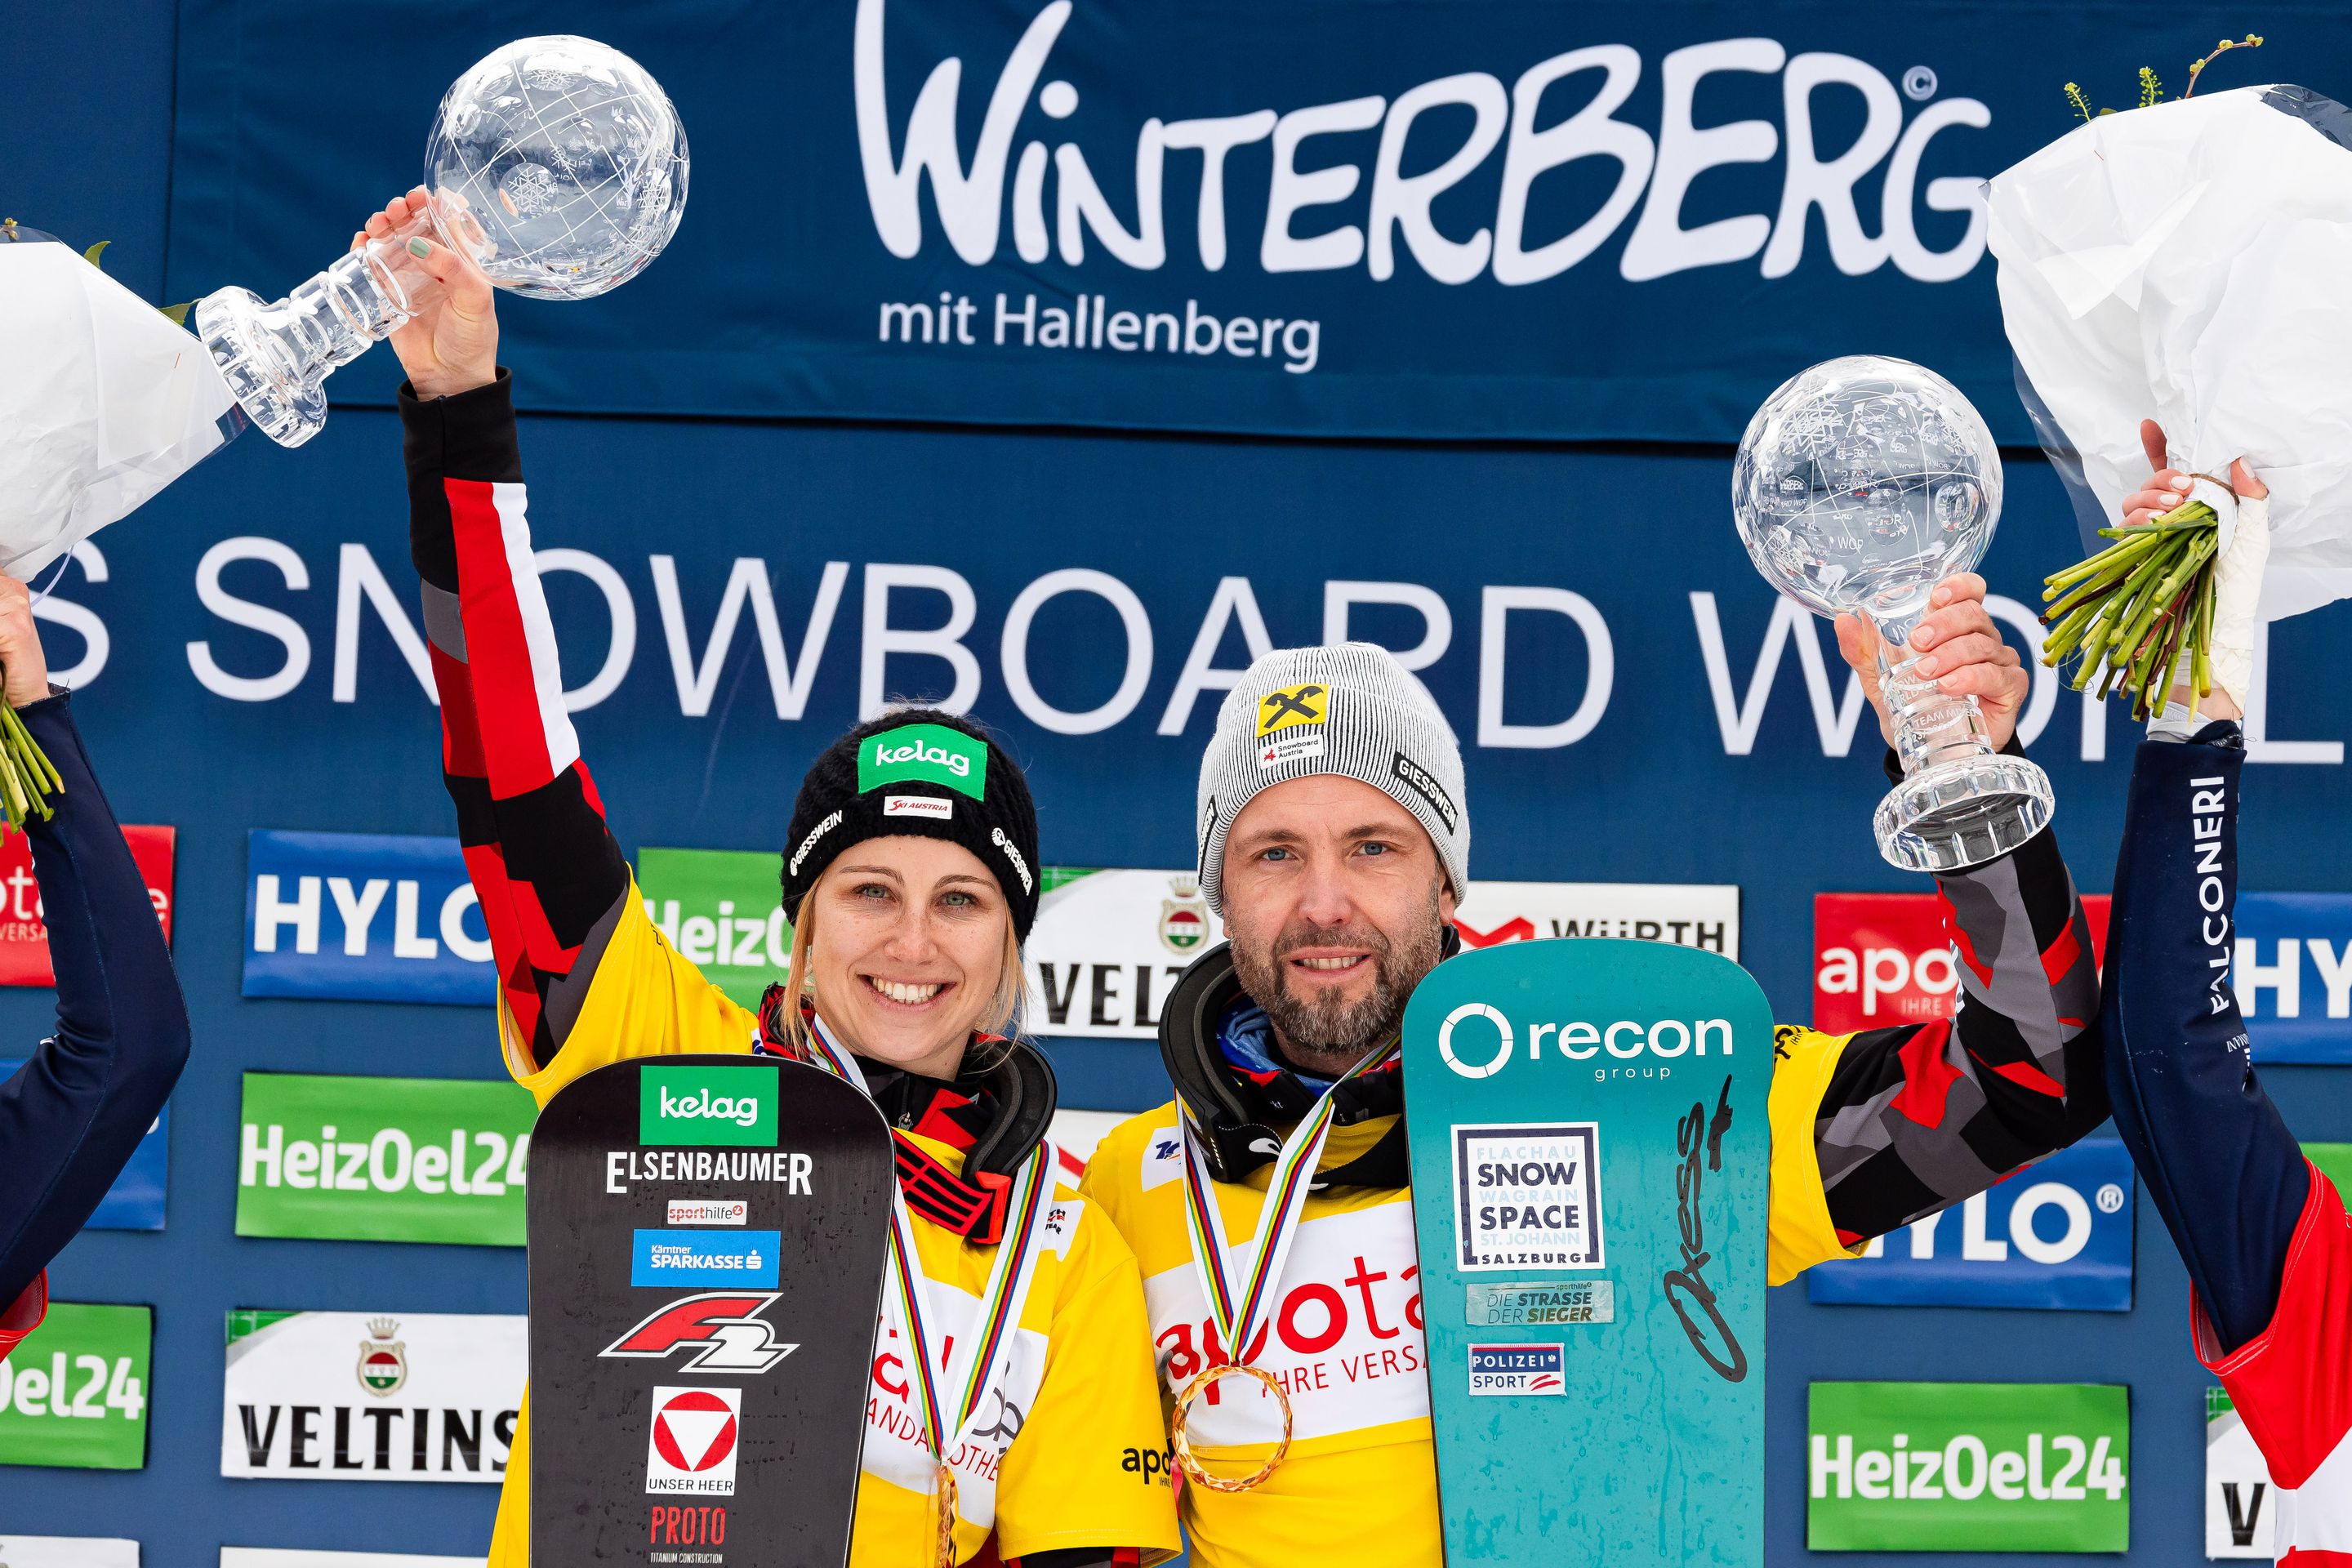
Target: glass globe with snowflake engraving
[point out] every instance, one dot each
(556, 163)
(1860, 485)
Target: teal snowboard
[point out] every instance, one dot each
(1590, 1163)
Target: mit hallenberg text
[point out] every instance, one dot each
(1092, 323)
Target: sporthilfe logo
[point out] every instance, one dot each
(682, 1104)
(1518, 1369)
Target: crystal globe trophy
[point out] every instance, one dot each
(1860, 485)
(557, 163)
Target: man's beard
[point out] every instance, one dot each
(1328, 1033)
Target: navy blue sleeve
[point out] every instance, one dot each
(2226, 1175)
(73, 1113)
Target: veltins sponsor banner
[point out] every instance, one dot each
(75, 1391)
(1109, 946)
(382, 1158)
(135, 1200)
(2239, 1506)
(24, 934)
(720, 909)
(1885, 959)
(67, 1552)
(281, 1557)
(2292, 972)
(1969, 1466)
(364, 917)
(371, 1396)
(2057, 1233)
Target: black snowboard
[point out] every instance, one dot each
(708, 1241)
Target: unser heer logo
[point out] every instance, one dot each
(1478, 1040)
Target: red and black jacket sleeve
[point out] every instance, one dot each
(551, 878)
(1919, 1117)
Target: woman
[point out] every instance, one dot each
(77, 1110)
(910, 875)
(2262, 1231)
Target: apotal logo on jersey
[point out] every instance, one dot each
(703, 1105)
(1465, 1040)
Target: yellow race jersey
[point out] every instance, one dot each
(1076, 1456)
(1345, 1335)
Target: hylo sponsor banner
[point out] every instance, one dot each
(1969, 1466)
(720, 910)
(1886, 959)
(73, 1393)
(1109, 945)
(363, 917)
(2057, 1233)
(134, 1201)
(382, 1158)
(25, 933)
(375, 1397)
(2239, 1511)
(2293, 972)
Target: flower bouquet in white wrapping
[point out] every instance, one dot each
(2190, 263)
(103, 402)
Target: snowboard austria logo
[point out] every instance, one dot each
(1183, 919)
(383, 1361)
(1290, 724)
(706, 1105)
(692, 1447)
(924, 754)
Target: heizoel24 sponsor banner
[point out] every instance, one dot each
(363, 916)
(371, 1396)
(135, 1199)
(24, 934)
(1968, 1467)
(720, 909)
(1109, 944)
(382, 1158)
(2057, 1233)
(74, 1392)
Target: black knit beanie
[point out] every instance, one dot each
(923, 773)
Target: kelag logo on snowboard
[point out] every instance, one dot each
(726, 1105)
(692, 1448)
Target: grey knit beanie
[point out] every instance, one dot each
(1348, 708)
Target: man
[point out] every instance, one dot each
(2264, 1233)
(71, 1115)
(1334, 839)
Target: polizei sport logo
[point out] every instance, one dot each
(695, 1104)
(1518, 1369)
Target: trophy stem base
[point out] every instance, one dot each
(1950, 816)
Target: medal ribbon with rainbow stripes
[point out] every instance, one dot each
(1242, 1285)
(975, 1371)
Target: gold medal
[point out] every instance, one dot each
(943, 1499)
(1182, 1443)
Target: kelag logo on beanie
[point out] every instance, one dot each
(924, 754)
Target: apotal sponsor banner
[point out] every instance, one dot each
(135, 1200)
(73, 1393)
(282, 1557)
(2055, 1235)
(382, 1158)
(1886, 959)
(1109, 946)
(24, 934)
(2240, 1509)
(720, 909)
(67, 1552)
(371, 1396)
(363, 917)
(1969, 1466)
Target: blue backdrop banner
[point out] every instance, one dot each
(1516, 219)
(135, 1201)
(366, 917)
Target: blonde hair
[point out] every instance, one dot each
(1001, 1016)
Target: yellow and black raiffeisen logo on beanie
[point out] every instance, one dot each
(1290, 724)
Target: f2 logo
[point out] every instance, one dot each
(723, 1328)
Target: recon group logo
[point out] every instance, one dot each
(722, 1328)
(1496, 1370)
(1290, 724)
(692, 1448)
(1466, 1049)
(708, 1105)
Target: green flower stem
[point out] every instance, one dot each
(28, 778)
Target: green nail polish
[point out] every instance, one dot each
(418, 248)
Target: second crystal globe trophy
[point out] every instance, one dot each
(1860, 485)
(557, 163)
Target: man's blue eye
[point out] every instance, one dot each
(1375, 849)
(1277, 854)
